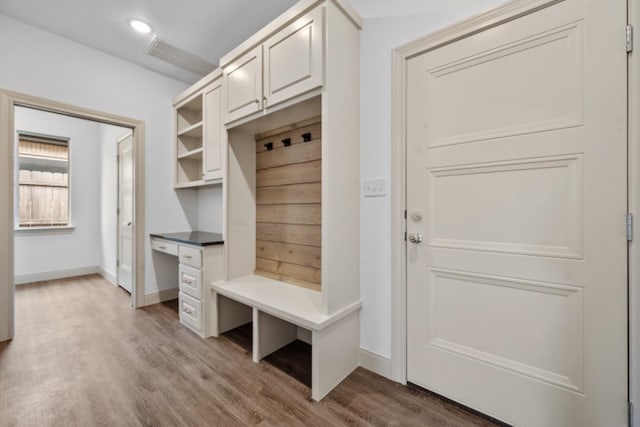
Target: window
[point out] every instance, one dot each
(43, 181)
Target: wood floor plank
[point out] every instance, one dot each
(83, 357)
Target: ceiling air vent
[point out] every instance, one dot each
(180, 58)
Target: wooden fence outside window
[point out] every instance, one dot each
(43, 179)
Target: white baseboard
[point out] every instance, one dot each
(108, 275)
(21, 279)
(160, 296)
(375, 363)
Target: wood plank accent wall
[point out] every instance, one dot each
(288, 204)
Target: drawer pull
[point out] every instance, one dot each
(187, 310)
(162, 247)
(187, 256)
(187, 281)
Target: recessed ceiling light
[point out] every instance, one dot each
(140, 26)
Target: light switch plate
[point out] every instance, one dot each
(375, 187)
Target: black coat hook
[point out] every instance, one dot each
(286, 142)
(306, 137)
(269, 146)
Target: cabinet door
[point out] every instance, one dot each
(214, 133)
(243, 86)
(294, 59)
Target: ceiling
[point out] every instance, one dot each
(206, 28)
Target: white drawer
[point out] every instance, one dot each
(190, 256)
(190, 312)
(190, 281)
(164, 246)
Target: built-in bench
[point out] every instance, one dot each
(279, 311)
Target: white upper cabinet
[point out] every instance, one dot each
(243, 85)
(290, 62)
(293, 59)
(214, 133)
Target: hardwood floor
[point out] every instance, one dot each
(83, 357)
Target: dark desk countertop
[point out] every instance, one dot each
(198, 238)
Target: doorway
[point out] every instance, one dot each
(516, 256)
(8, 103)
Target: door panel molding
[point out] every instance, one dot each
(563, 107)
(564, 173)
(564, 301)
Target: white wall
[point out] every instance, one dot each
(39, 252)
(380, 36)
(45, 65)
(109, 198)
(210, 209)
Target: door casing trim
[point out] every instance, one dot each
(8, 101)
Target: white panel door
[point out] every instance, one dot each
(293, 62)
(517, 183)
(125, 217)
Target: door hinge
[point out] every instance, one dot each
(630, 406)
(629, 227)
(405, 236)
(117, 263)
(405, 214)
(117, 211)
(629, 38)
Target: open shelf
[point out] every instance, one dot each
(189, 114)
(193, 131)
(189, 171)
(189, 184)
(189, 147)
(193, 154)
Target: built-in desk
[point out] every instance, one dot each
(200, 260)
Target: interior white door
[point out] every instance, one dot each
(125, 210)
(517, 183)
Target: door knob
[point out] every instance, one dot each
(129, 224)
(415, 238)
